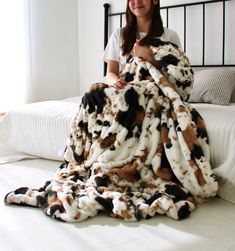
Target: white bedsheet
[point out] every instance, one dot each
(37, 129)
(210, 227)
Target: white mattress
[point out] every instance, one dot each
(210, 227)
(220, 124)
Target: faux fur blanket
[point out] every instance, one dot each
(134, 152)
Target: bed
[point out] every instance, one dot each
(28, 157)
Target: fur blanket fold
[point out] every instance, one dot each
(134, 152)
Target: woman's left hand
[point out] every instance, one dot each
(143, 51)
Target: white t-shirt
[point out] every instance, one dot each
(113, 48)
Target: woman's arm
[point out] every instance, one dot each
(144, 51)
(112, 75)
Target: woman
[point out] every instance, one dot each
(143, 21)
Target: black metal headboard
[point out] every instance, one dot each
(108, 15)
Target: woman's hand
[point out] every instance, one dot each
(143, 51)
(112, 76)
(120, 84)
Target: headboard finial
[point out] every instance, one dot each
(106, 5)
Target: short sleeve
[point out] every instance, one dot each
(112, 49)
(174, 38)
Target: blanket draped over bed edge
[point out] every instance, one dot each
(134, 152)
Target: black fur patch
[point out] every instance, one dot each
(99, 122)
(54, 208)
(83, 126)
(106, 203)
(177, 192)
(202, 133)
(129, 77)
(127, 118)
(41, 201)
(5, 198)
(143, 74)
(158, 42)
(77, 177)
(184, 212)
(41, 189)
(153, 198)
(112, 148)
(78, 158)
(97, 133)
(106, 123)
(102, 181)
(168, 145)
(170, 59)
(63, 165)
(95, 100)
(138, 214)
(196, 152)
(21, 190)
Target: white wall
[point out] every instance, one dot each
(54, 49)
(91, 40)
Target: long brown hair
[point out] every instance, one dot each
(130, 32)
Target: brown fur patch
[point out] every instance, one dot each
(189, 136)
(144, 156)
(53, 201)
(77, 216)
(164, 173)
(200, 123)
(150, 185)
(174, 116)
(127, 172)
(139, 117)
(164, 135)
(197, 173)
(150, 78)
(164, 82)
(200, 178)
(191, 199)
(108, 141)
(85, 154)
(159, 149)
(181, 108)
(69, 200)
(125, 214)
(97, 86)
(155, 207)
(102, 189)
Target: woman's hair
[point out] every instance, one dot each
(130, 32)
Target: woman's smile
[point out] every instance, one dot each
(138, 7)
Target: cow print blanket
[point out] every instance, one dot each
(135, 152)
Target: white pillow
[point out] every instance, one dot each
(213, 86)
(37, 129)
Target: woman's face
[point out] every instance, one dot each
(141, 8)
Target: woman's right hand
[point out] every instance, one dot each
(112, 76)
(120, 84)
